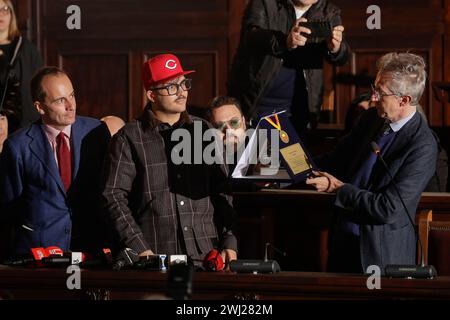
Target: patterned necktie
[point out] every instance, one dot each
(64, 160)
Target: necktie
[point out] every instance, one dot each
(361, 178)
(383, 139)
(64, 160)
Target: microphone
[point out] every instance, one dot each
(99, 258)
(152, 262)
(405, 271)
(126, 258)
(213, 261)
(274, 248)
(257, 266)
(54, 256)
(54, 251)
(180, 278)
(174, 259)
(63, 259)
(19, 261)
(37, 254)
(160, 262)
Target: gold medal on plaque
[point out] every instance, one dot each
(276, 124)
(284, 136)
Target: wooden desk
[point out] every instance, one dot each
(51, 284)
(297, 221)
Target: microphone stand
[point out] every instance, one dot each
(405, 271)
(274, 248)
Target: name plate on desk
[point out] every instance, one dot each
(274, 139)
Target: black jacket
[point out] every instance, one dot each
(27, 62)
(265, 27)
(155, 203)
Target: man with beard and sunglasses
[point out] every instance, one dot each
(226, 116)
(156, 204)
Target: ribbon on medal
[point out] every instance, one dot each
(276, 124)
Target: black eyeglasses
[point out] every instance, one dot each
(233, 123)
(173, 88)
(378, 93)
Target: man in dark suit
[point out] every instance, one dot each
(49, 170)
(371, 226)
(157, 204)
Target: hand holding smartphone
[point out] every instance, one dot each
(320, 30)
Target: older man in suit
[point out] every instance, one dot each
(48, 171)
(371, 226)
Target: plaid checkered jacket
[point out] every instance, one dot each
(155, 204)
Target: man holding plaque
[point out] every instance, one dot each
(371, 226)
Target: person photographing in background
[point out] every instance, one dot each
(277, 66)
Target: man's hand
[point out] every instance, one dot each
(334, 43)
(324, 182)
(294, 38)
(146, 253)
(228, 255)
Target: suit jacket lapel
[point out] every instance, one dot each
(41, 148)
(76, 137)
(402, 137)
(368, 135)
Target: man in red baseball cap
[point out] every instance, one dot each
(156, 204)
(167, 88)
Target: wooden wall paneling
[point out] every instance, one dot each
(196, 30)
(436, 111)
(205, 79)
(139, 19)
(420, 30)
(21, 10)
(100, 81)
(211, 29)
(137, 98)
(446, 60)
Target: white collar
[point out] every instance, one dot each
(396, 126)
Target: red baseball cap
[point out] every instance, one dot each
(161, 68)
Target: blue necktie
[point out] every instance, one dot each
(362, 176)
(384, 140)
